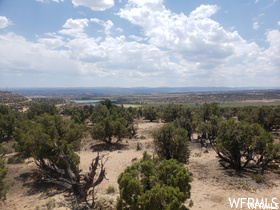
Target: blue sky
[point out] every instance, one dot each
(132, 43)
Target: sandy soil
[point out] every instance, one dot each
(212, 185)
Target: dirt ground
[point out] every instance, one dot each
(212, 185)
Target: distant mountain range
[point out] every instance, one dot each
(105, 91)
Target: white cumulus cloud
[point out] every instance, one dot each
(273, 52)
(194, 37)
(170, 49)
(75, 27)
(106, 24)
(19, 56)
(136, 38)
(204, 11)
(96, 5)
(200, 47)
(51, 43)
(4, 22)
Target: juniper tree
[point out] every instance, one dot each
(52, 143)
(151, 184)
(171, 142)
(241, 140)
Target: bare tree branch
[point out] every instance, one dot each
(69, 177)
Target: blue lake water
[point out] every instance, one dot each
(86, 101)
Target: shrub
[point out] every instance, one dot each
(142, 137)
(139, 147)
(4, 186)
(150, 113)
(151, 184)
(15, 161)
(42, 139)
(171, 142)
(258, 178)
(237, 140)
(191, 203)
(40, 109)
(111, 189)
(109, 128)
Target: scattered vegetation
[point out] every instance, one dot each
(152, 184)
(139, 146)
(258, 178)
(111, 190)
(191, 203)
(241, 184)
(112, 122)
(15, 160)
(43, 138)
(142, 137)
(150, 113)
(171, 142)
(241, 136)
(238, 140)
(4, 186)
(40, 109)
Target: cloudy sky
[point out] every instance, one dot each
(133, 43)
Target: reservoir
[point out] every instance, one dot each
(92, 102)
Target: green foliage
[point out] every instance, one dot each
(108, 103)
(7, 123)
(171, 142)
(111, 189)
(277, 117)
(79, 115)
(209, 128)
(4, 186)
(107, 129)
(267, 116)
(181, 116)
(99, 113)
(40, 109)
(40, 139)
(4, 110)
(172, 112)
(191, 203)
(207, 110)
(214, 125)
(258, 178)
(134, 112)
(3, 151)
(15, 160)
(237, 140)
(203, 128)
(150, 113)
(207, 119)
(138, 147)
(112, 121)
(185, 120)
(154, 185)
